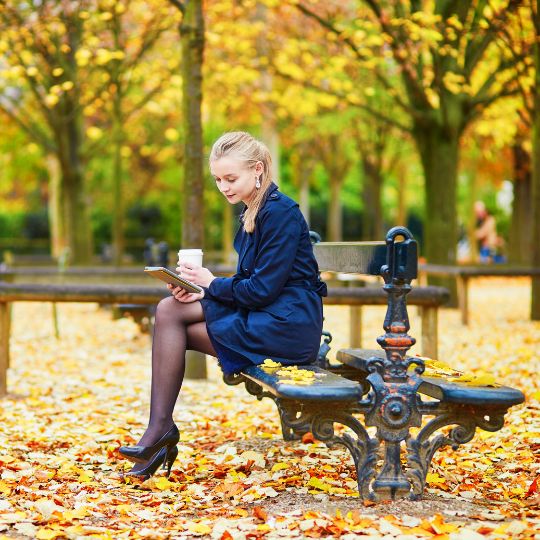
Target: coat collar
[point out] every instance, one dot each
(271, 189)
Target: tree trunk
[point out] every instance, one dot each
(535, 304)
(118, 209)
(55, 204)
(302, 169)
(227, 238)
(66, 124)
(334, 219)
(192, 40)
(372, 222)
(269, 133)
(401, 217)
(439, 153)
(520, 245)
(118, 139)
(303, 198)
(76, 222)
(470, 221)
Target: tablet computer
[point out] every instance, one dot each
(164, 274)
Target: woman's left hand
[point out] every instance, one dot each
(196, 274)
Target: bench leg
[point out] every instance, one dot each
(463, 298)
(430, 328)
(5, 330)
(355, 327)
(465, 419)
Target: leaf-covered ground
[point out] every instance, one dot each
(74, 401)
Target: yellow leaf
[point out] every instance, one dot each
(434, 478)
(86, 476)
(4, 488)
(48, 534)
(199, 528)
(482, 379)
(319, 484)
(94, 133)
(79, 513)
(269, 363)
(51, 100)
(280, 466)
(162, 483)
(171, 134)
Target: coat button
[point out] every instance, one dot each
(274, 196)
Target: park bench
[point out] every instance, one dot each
(393, 391)
(465, 273)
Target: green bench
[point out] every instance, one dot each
(387, 389)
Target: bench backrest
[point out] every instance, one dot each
(351, 257)
(392, 259)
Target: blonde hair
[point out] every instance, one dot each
(244, 147)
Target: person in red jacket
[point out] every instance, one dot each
(271, 307)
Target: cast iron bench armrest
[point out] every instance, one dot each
(438, 387)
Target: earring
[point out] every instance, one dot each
(258, 182)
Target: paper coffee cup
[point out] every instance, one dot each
(193, 256)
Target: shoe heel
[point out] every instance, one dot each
(172, 454)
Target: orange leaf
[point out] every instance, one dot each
(226, 536)
(259, 513)
(533, 488)
(307, 438)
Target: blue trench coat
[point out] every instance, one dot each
(272, 306)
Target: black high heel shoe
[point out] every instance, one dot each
(140, 454)
(166, 457)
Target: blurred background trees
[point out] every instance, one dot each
(376, 113)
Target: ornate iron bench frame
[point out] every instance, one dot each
(384, 387)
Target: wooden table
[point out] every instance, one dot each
(464, 273)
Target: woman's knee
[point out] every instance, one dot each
(169, 309)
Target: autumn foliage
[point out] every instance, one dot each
(75, 400)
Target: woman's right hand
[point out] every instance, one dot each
(183, 296)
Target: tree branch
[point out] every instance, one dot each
(35, 133)
(361, 106)
(179, 5)
(415, 90)
(361, 56)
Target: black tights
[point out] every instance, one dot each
(178, 327)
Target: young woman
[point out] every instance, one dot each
(271, 307)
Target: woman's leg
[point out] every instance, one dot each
(177, 327)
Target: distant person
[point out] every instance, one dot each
(486, 232)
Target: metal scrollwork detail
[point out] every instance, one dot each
(363, 448)
(396, 412)
(420, 450)
(294, 420)
(256, 390)
(322, 427)
(232, 379)
(491, 421)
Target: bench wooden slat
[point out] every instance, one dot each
(113, 294)
(327, 387)
(440, 388)
(351, 257)
(419, 296)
